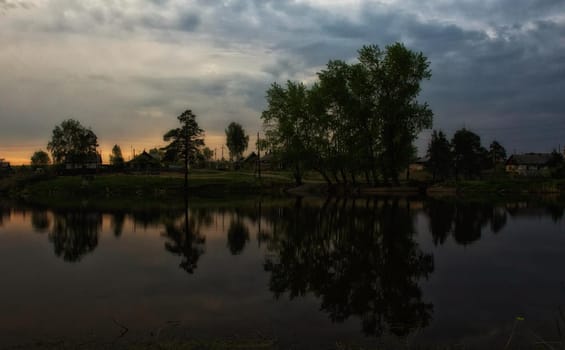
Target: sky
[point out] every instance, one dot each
(127, 68)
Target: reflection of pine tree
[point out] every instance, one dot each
(75, 234)
(184, 239)
(358, 260)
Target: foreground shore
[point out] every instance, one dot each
(219, 184)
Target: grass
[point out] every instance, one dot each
(209, 183)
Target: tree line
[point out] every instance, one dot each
(72, 143)
(463, 156)
(356, 122)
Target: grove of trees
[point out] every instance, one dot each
(72, 143)
(357, 119)
(463, 156)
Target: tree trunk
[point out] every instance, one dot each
(186, 173)
(297, 176)
(325, 176)
(343, 175)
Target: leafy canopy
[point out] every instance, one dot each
(72, 143)
(40, 159)
(236, 140)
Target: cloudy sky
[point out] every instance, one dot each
(127, 68)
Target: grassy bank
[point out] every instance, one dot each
(501, 186)
(202, 183)
(218, 184)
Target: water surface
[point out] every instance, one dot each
(306, 272)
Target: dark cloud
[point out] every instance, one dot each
(188, 22)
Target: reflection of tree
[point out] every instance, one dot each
(498, 219)
(464, 220)
(359, 260)
(184, 238)
(75, 234)
(4, 214)
(40, 220)
(118, 219)
(238, 236)
(148, 217)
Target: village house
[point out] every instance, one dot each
(144, 163)
(418, 164)
(5, 168)
(89, 164)
(529, 164)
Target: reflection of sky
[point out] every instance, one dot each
(477, 290)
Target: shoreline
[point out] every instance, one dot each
(226, 184)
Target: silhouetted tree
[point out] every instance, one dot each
(399, 73)
(287, 125)
(208, 154)
(236, 140)
(40, 159)
(116, 158)
(72, 143)
(467, 153)
(184, 141)
(440, 160)
(497, 153)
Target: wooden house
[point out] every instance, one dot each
(144, 163)
(529, 164)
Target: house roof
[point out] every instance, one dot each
(144, 157)
(529, 159)
(250, 157)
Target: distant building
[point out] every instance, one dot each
(144, 163)
(529, 164)
(418, 164)
(5, 168)
(88, 164)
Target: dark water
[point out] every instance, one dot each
(306, 272)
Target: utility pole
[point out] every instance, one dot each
(258, 159)
(222, 153)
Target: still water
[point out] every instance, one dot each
(306, 272)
